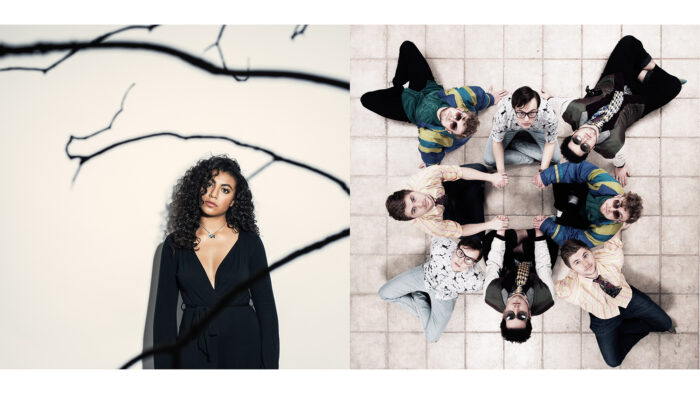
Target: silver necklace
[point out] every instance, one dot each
(211, 234)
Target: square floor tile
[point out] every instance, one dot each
(457, 321)
(674, 148)
(476, 36)
(517, 73)
(395, 128)
(484, 351)
(642, 154)
(523, 41)
(680, 194)
(454, 158)
(642, 237)
(561, 351)
(484, 73)
(590, 73)
(448, 72)
(562, 317)
(474, 150)
(367, 156)
(367, 313)
(365, 122)
(599, 40)
(368, 234)
(486, 122)
(367, 76)
(447, 353)
(562, 41)
(684, 69)
(679, 274)
(562, 77)
(367, 350)
(649, 35)
(679, 235)
(403, 320)
(397, 34)
(681, 118)
(407, 350)
(524, 355)
(590, 353)
(494, 200)
(642, 272)
(364, 199)
(445, 41)
(648, 189)
(367, 273)
(648, 126)
(367, 41)
(404, 238)
(679, 351)
(397, 264)
(644, 354)
(683, 310)
(680, 41)
(522, 197)
(480, 316)
(403, 156)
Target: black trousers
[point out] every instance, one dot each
(412, 68)
(629, 58)
(571, 213)
(465, 200)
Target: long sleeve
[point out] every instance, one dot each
(165, 315)
(592, 236)
(473, 98)
(264, 301)
(494, 261)
(543, 264)
(568, 173)
(431, 155)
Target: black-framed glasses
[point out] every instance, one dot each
(462, 255)
(522, 115)
(511, 316)
(617, 204)
(584, 147)
(453, 125)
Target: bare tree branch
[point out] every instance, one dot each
(299, 30)
(48, 47)
(72, 52)
(221, 54)
(202, 324)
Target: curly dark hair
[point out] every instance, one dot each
(516, 335)
(184, 211)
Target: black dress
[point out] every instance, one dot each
(241, 336)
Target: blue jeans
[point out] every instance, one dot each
(517, 151)
(616, 336)
(408, 290)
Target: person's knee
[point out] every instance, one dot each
(612, 361)
(367, 100)
(384, 292)
(432, 336)
(408, 46)
(630, 41)
(489, 159)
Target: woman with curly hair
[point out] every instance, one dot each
(212, 246)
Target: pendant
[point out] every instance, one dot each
(212, 236)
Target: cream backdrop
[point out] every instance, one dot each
(76, 259)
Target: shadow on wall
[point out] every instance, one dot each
(147, 363)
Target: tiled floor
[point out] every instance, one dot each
(661, 249)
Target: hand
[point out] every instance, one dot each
(500, 223)
(499, 179)
(497, 96)
(537, 222)
(537, 181)
(621, 174)
(422, 165)
(625, 226)
(545, 95)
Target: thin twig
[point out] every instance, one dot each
(299, 30)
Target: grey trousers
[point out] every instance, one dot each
(408, 290)
(516, 151)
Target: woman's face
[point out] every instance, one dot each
(218, 196)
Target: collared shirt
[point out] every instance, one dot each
(429, 181)
(577, 289)
(440, 276)
(506, 120)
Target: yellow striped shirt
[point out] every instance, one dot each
(429, 181)
(577, 289)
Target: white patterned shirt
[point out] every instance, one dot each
(505, 120)
(440, 277)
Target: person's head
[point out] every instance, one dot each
(516, 325)
(467, 253)
(580, 143)
(525, 102)
(578, 257)
(623, 208)
(212, 187)
(459, 122)
(406, 204)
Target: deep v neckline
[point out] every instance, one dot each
(216, 272)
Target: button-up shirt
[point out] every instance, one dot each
(440, 276)
(577, 289)
(505, 120)
(429, 181)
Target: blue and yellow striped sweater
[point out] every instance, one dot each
(600, 183)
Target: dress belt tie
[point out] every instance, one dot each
(203, 339)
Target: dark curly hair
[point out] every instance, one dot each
(516, 335)
(184, 211)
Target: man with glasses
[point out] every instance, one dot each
(620, 314)
(519, 277)
(430, 290)
(630, 87)
(524, 130)
(446, 118)
(592, 205)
